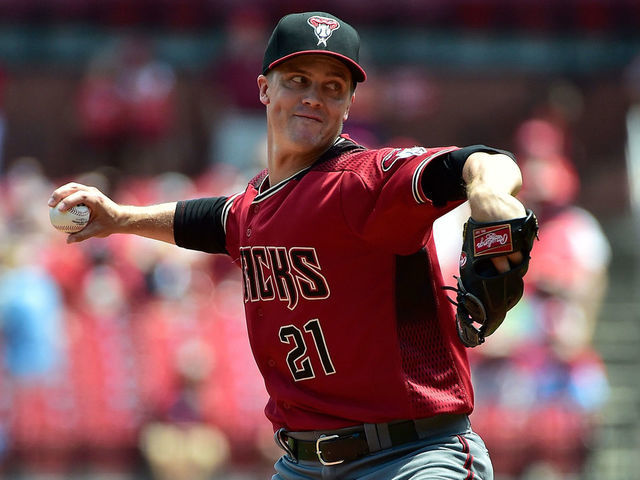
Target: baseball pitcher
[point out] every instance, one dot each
(362, 352)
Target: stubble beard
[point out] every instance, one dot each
(310, 139)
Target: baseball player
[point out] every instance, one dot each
(347, 318)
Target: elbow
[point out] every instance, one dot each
(517, 179)
(496, 171)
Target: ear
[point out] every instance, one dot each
(346, 113)
(263, 86)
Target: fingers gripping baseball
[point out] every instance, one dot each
(104, 212)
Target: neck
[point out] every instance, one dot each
(283, 163)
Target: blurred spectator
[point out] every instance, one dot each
(179, 362)
(101, 103)
(127, 106)
(539, 373)
(3, 122)
(632, 89)
(193, 341)
(572, 260)
(539, 383)
(32, 338)
(237, 117)
(30, 321)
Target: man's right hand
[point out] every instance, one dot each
(105, 213)
(108, 217)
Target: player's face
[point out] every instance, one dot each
(307, 99)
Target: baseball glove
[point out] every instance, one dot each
(483, 295)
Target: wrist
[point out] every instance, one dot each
(489, 205)
(124, 219)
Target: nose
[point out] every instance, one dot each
(312, 97)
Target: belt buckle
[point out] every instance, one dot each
(321, 439)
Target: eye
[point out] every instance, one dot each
(298, 80)
(335, 87)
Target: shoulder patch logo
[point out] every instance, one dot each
(323, 27)
(411, 152)
(400, 154)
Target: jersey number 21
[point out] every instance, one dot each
(297, 359)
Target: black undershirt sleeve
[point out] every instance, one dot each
(442, 179)
(197, 225)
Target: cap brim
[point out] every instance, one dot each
(359, 75)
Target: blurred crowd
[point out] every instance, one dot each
(128, 355)
(540, 384)
(122, 350)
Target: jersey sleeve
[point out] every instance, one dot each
(200, 224)
(393, 197)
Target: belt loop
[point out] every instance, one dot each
(371, 433)
(422, 432)
(383, 435)
(282, 443)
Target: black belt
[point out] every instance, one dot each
(338, 446)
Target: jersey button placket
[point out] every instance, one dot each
(254, 210)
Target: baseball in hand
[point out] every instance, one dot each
(71, 221)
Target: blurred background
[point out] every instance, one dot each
(123, 358)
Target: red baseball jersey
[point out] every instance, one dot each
(345, 310)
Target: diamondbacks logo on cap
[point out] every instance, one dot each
(323, 27)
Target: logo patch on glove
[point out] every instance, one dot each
(491, 240)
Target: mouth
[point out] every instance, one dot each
(308, 117)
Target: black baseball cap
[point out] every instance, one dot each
(314, 32)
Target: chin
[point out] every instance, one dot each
(313, 140)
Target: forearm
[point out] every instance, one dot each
(154, 221)
(491, 181)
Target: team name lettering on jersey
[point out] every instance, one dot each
(283, 274)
